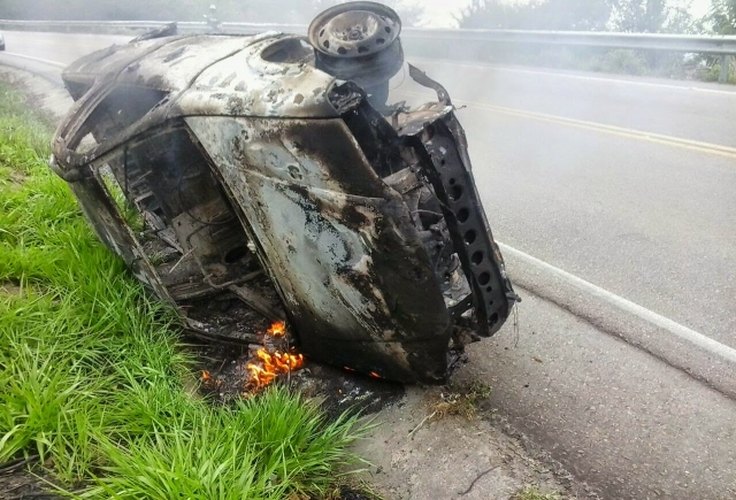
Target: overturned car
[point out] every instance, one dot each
(266, 176)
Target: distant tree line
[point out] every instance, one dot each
(723, 16)
(641, 16)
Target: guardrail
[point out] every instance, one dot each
(466, 42)
(723, 46)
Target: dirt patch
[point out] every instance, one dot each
(20, 479)
(17, 178)
(455, 456)
(9, 288)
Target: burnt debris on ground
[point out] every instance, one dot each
(223, 374)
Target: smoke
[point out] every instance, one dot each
(266, 11)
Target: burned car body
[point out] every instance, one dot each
(238, 179)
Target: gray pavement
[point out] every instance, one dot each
(653, 223)
(624, 421)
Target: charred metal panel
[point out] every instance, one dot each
(442, 142)
(338, 241)
(140, 62)
(273, 76)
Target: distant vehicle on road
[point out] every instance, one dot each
(2, 42)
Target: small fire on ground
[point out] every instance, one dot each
(269, 365)
(277, 329)
(268, 362)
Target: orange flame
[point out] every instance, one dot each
(277, 329)
(272, 364)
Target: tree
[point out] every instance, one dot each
(164, 10)
(577, 15)
(638, 16)
(652, 16)
(723, 16)
(492, 14)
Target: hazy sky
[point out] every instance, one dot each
(439, 12)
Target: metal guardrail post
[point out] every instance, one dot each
(725, 66)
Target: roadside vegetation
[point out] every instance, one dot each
(93, 378)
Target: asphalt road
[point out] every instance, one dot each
(628, 184)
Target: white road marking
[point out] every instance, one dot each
(622, 81)
(37, 59)
(698, 339)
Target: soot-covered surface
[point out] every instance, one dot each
(224, 376)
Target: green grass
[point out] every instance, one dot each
(534, 493)
(92, 377)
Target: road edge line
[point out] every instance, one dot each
(685, 333)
